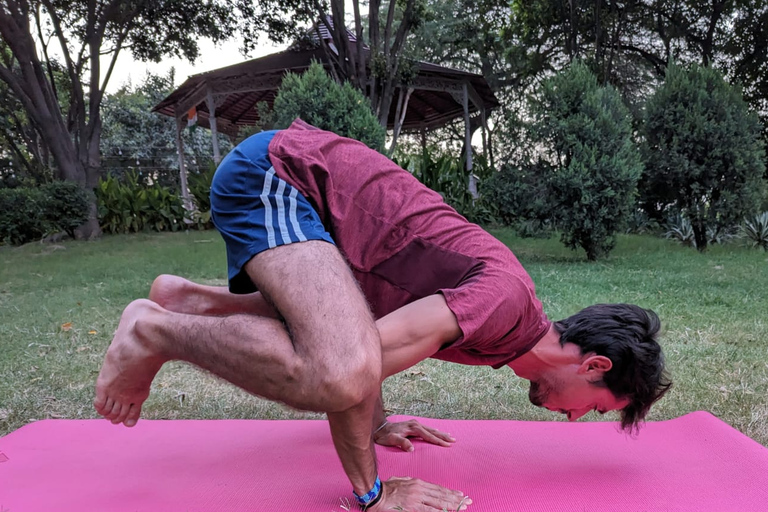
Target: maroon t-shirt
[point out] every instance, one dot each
(404, 243)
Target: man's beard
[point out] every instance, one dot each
(539, 392)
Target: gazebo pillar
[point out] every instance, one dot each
(468, 141)
(212, 121)
(186, 200)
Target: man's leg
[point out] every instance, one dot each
(328, 359)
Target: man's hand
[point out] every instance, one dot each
(416, 495)
(397, 434)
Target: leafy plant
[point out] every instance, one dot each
(679, 228)
(640, 223)
(28, 214)
(446, 175)
(199, 184)
(130, 207)
(755, 231)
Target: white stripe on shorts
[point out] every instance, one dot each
(280, 201)
(292, 214)
(268, 207)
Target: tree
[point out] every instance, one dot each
(584, 131)
(319, 100)
(85, 31)
(703, 152)
(387, 67)
(134, 136)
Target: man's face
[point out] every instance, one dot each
(570, 391)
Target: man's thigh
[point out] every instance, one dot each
(313, 289)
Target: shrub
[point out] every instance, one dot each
(200, 188)
(446, 175)
(755, 231)
(130, 207)
(679, 228)
(29, 214)
(703, 152)
(317, 99)
(66, 205)
(21, 216)
(520, 195)
(585, 131)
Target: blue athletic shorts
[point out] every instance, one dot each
(254, 210)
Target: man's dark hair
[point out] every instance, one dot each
(625, 334)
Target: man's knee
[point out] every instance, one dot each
(352, 381)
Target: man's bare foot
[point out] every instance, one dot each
(131, 363)
(176, 294)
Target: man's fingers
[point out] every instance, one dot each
(445, 436)
(405, 444)
(416, 495)
(430, 436)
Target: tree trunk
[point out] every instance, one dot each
(29, 82)
(700, 235)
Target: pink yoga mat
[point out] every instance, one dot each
(693, 463)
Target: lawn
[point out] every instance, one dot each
(59, 305)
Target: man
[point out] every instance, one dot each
(311, 220)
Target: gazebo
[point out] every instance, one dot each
(225, 99)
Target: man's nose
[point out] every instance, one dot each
(575, 415)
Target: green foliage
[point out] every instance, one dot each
(679, 228)
(594, 164)
(134, 137)
(703, 153)
(200, 189)
(66, 205)
(755, 231)
(29, 214)
(519, 194)
(130, 207)
(20, 216)
(446, 175)
(317, 99)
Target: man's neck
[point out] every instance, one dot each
(545, 355)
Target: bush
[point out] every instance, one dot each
(66, 205)
(317, 99)
(679, 228)
(446, 175)
(130, 207)
(704, 156)
(586, 132)
(519, 195)
(200, 188)
(21, 216)
(29, 214)
(755, 231)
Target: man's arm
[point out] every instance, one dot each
(415, 332)
(409, 335)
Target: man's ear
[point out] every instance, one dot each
(595, 364)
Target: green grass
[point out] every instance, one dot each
(713, 306)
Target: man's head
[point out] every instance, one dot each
(619, 365)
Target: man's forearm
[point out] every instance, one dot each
(379, 416)
(351, 431)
